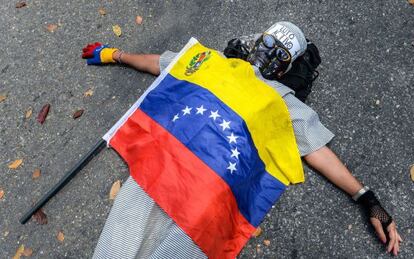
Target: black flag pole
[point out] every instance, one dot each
(96, 149)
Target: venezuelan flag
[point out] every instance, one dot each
(212, 145)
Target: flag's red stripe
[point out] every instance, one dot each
(190, 192)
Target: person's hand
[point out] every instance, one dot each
(98, 54)
(394, 238)
(383, 223)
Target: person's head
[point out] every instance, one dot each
(276, 49)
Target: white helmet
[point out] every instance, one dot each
(275, 50)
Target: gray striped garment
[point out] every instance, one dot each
(138, 228)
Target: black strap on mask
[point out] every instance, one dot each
(236, 48)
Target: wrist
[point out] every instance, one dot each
(359, 193)
(117, 56)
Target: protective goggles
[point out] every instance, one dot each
(277, 56)
(282, 54)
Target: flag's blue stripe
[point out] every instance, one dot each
(255, 190)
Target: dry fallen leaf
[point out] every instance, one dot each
(51, 27)
(138, 20)
(27, 252)
(19, 252)
(15, 164)
(21, 4)
(257, 232)
(101, 11)
(117, 30)
(2, 98)
(412, 173)
(114, 189)
(36, 173)
(1, 193)
(28, 113)
(411, 2)
(77, 114)
(266, 242)
(60, 236)
(40, 217)
(41, 117)
(88, 93)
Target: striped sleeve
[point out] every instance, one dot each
(166, 58)
(310, 133)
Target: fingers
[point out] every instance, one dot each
(87, 48)
(399, 237)
(90, 61)
(395, 239)
(94, 61)
(378, 229)
(87, 52)
(396, 247)
(93, 45)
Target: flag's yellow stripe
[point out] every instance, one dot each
(262, 108)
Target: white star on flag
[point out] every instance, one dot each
(225, 124)
(235, 153)
(214, 115)
(232, 167)
(176, 117)
(201, 110)
(187, 110)
(232, 138)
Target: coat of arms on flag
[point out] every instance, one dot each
(212, 145)
(196, 62)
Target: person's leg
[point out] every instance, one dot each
(124, 229)
(138, 228)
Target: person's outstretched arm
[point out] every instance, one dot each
(149, 63)
(325, 161)
(328, 164)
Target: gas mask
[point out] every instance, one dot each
(274, 51)
(270, 56)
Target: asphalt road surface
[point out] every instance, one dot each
(364, 94)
